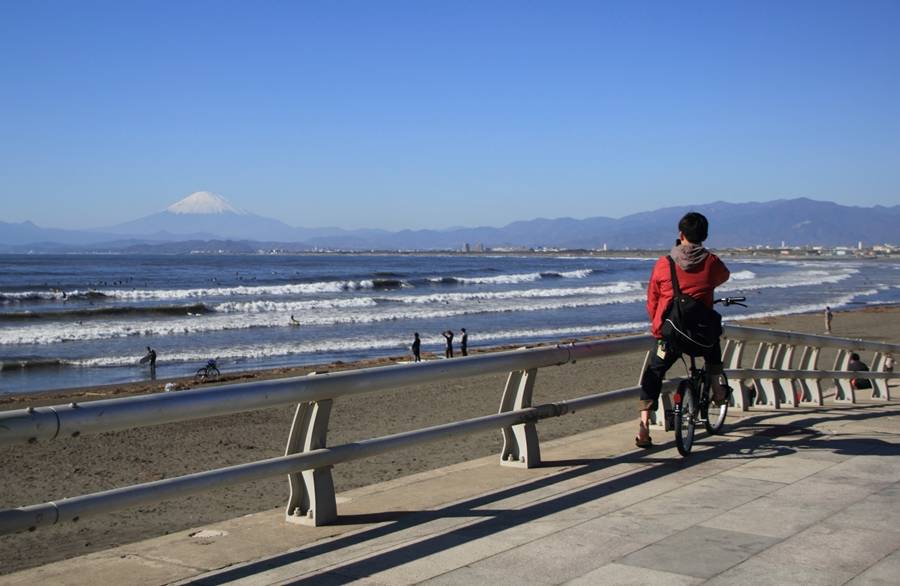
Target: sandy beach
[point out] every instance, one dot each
(46, 471)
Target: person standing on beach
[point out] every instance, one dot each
(448, 335)
(416, 348)
(464, 343)
(828, 317)
(698, 272)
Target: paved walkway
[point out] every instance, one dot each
(810, 496)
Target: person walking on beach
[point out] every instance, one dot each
(698, 272)
(464, 343)
(828, 317)
(416, 348)
(448, 335)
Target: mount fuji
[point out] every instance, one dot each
(204, 215)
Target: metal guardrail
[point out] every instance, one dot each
(308, 461)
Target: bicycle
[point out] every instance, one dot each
(208, 372)
(692, 400)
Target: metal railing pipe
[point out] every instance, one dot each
(45, 423)
(749, 334)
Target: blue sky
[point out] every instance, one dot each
(427, 114)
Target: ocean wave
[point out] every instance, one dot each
(612, 288)
(11, 297)
(238, 353)
(56, 333)
(789, 280)
(292, 306)
(833, 302)
(511, 279)
(319, 287)
(10, 363)
(100, 312)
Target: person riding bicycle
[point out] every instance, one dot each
(698, 272)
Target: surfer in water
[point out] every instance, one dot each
(150, 358)
(294, 321)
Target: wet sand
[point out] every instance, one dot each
(51, 470)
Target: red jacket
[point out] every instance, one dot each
(698, 282)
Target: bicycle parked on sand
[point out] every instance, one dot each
(692, 401)
(208, 372)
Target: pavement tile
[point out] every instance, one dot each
(558, 558)
(884, 573)
(878, 512)
(770, 516)
(623, 575)
(833, 549)
(760, 572)
(786, 469)
(699, 551)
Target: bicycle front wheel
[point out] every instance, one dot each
(685, 418)
(715, 416)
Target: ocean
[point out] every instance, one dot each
(80, 320)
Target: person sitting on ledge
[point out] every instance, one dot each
(857, 365)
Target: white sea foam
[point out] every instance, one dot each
(743, 275)
(238, 291)
(292, 306)
(55, 332)
(833, 302)
(401, 345)
(789, 280)
(610, 289)
(500, 279)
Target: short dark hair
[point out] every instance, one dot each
(694, 226)
(854, 356)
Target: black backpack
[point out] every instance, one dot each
(689, 325)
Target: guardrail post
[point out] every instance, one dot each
(880, 388)
(810, 388)
(312, 500)
(732, 354)
(790, 387)
(766, 391)
(843, 392)
(521, 448)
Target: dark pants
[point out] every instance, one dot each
(448, 353)
(661, 360)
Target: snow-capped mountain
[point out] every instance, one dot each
(204, 202)
(205, 215)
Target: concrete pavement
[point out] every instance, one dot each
(806, 495)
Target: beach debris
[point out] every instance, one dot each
(170, 387)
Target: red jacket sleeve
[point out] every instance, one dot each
(653, 290)
(719, 273)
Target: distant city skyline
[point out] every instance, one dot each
(415, 115)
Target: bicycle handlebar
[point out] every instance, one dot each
(732, 301)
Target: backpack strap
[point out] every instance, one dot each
(676, 290)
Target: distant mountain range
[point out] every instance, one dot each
(203, 220)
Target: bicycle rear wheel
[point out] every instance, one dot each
(685, 417)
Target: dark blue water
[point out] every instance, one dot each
(73, 320)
